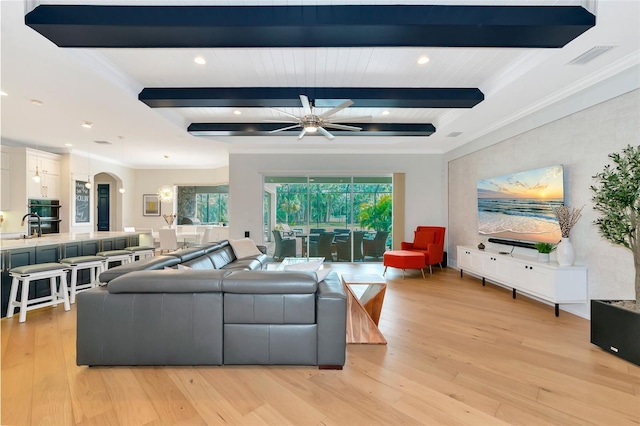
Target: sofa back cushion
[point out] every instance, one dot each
(202, 262)
(189, 253)
(222, 256)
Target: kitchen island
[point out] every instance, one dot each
(52, 248)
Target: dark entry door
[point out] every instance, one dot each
(103, 207)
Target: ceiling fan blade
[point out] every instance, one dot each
(305, 104)
(281, 121)
(340, 107)
(326, 133)
(285, 128)
(342, 119)
(302, 132)
(342, 127)
(285, 113)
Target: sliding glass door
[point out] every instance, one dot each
(340, 218)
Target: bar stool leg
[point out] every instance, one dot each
(24, 298)
(53, 287)
(74, 282)
(13, 297)
(65, 291)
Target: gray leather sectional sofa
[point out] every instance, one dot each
(208, 315)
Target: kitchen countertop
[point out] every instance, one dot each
(52, 239)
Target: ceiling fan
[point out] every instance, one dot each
(312, 123)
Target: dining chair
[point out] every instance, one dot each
(168, 240)
(207, 236)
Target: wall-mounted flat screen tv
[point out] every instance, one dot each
(520, 206)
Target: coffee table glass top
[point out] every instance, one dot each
(295, 260)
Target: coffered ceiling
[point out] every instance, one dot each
(129, 69)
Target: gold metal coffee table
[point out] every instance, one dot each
(365, 295)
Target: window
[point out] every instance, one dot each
(203, 204)
(341, 205)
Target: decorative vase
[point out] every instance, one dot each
(564, 251)
(481, 246)
(543, 257)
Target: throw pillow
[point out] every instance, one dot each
(321, 274)
(244, 247)
(181, 266)
(304, 266)
(422, 239)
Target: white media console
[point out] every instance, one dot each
(543, 280)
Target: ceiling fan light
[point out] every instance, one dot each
(311, 128)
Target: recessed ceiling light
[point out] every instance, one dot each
(87, 124)
(385, 113)
(199, 60)
(68, 144)
(37, 102)
(237, 112)
(423, 60)
(3, 93)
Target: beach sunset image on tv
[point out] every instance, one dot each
(519, 206)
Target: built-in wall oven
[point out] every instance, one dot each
(49, 212)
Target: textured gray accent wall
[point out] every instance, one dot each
(581, 142)
(186, 202)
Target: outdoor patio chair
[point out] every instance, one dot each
(377, 246)
(322, 247)
(285, 247)
(344, 247)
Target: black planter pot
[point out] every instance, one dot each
(616, 330)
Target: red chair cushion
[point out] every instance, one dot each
(422, 239)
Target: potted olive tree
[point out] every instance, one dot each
(615, 325)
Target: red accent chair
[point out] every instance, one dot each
(428, 240)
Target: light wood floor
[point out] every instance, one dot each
(457, 353)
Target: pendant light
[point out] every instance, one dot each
(88, 184)
(165, 193)
(36, 177)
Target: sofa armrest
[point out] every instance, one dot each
(406, 246)
(332, 321)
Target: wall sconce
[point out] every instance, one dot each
(1, 218)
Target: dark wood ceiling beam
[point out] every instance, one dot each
(280, 97)
(148, 26)
(263, 129)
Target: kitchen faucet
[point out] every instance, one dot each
(39, 222)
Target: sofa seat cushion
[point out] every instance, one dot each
(168, 281)
(150, 263)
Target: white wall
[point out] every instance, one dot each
(148, 182)
(581, 142)
(77, 167)
(425, 184)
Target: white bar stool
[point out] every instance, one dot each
(95, 264)
(122, 256)
(29, 273)
(141, 252)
